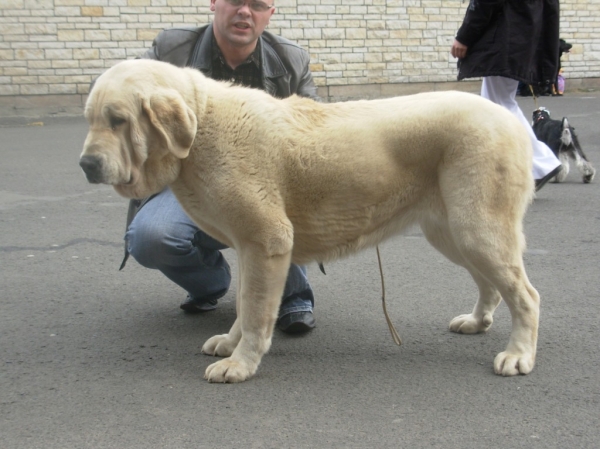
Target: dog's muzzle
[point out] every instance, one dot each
(92, 167)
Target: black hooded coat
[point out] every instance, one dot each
(515, 39)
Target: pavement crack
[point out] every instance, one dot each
(11, 249)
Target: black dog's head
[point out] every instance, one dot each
(563, 47)
(539, 114)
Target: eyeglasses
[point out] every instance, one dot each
(256, 6)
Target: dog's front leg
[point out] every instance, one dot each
(262, 282)
(224, 345)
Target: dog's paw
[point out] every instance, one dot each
(469, 324)
(219, 346)
(510, 364)
(228, 371)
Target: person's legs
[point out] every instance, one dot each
(295, 313)
(162, 237)
(503, 91)
(298, 294)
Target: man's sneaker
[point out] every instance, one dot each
(296, 322)
(193, 306)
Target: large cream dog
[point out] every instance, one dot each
(296, 180)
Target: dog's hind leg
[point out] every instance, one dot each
(581, 161)
(585, 168)
(523, 301)
(493, 245)
(481, 318)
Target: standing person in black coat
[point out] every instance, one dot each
(507, 41)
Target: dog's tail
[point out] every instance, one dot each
(566, 137)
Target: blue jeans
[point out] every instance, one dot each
(163, 237)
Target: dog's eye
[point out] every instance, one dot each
(115, 122)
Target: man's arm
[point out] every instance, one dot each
(306, 84)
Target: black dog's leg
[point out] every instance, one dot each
(581, 160)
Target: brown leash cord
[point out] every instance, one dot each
(534, 97)
(393, 331)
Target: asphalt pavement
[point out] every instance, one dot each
(91, 357)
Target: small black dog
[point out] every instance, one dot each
(562, 140)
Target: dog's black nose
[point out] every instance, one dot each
(91, 167)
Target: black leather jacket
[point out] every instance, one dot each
(284, 67)
(515, 39)
(283, 63)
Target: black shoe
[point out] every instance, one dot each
(194, 306)
(539, 183)
(296, 322)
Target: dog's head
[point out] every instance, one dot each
(540, 114)
(564, 47)
(140, 127)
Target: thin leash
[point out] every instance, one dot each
(393, 331)
(534, 96)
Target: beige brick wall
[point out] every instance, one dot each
(358, 47)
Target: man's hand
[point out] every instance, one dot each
(458, 50)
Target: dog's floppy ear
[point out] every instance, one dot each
(173, 120)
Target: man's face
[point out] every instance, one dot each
(237, 24)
